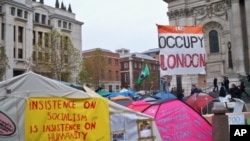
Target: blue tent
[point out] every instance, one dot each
(128, 93)
(103, 93)
(165, 95)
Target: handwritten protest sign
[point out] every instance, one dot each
(64, 119)
(182, 50)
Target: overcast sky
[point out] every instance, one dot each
(115, 24)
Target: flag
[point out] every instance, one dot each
(143, 75)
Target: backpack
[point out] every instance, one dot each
(224, 88)
(223, 91)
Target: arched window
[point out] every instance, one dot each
(213, 41)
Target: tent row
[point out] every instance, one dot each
(176, 120)
(33, 107)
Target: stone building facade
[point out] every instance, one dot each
(226, 26)
(23, 22)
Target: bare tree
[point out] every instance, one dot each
(56, 57)
(93, 68)
(3, 62)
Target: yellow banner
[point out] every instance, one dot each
(67, 119)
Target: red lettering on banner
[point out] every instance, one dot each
(77, 135)
(163, 62)
(89, 105)
(90, 125)
(67, 116)
(182, 61)
(51, 104)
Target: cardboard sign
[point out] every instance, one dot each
(236, 119)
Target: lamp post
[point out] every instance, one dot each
(230, 61)
(179, 86)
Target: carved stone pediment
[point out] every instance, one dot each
(200, 12)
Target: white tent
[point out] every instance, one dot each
(124, 122)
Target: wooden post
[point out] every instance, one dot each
(220, 123)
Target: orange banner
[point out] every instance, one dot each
(180, 29)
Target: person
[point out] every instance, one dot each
(174, 90)
(226, 83)
(194, 89)
(248, 77)
(234, 91)
(242, 88)
(222, 90)
(215, 85)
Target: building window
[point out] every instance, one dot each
(48, 22)
(139, 65)
(13, 11)
(14, 33)
(40, 38)
(34, 37)
(43, 19)
(110, 75)
(59, 23)
(117, 87)
(69, 25)
(17, 72)
(116, 62)
(14, 52)
(19, 13)
(110, 88)
(34, 56)
(2, 31)
(110, 61)
(125, 65)
(116, 76)
(26, 15)
(213, 41)
(46, 57)
(20, 53)
(20, 34)
(37, 17)
(65, 25)
(135, 65)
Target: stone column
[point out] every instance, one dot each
(237, 40)
(220, 123)
(247, 5)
